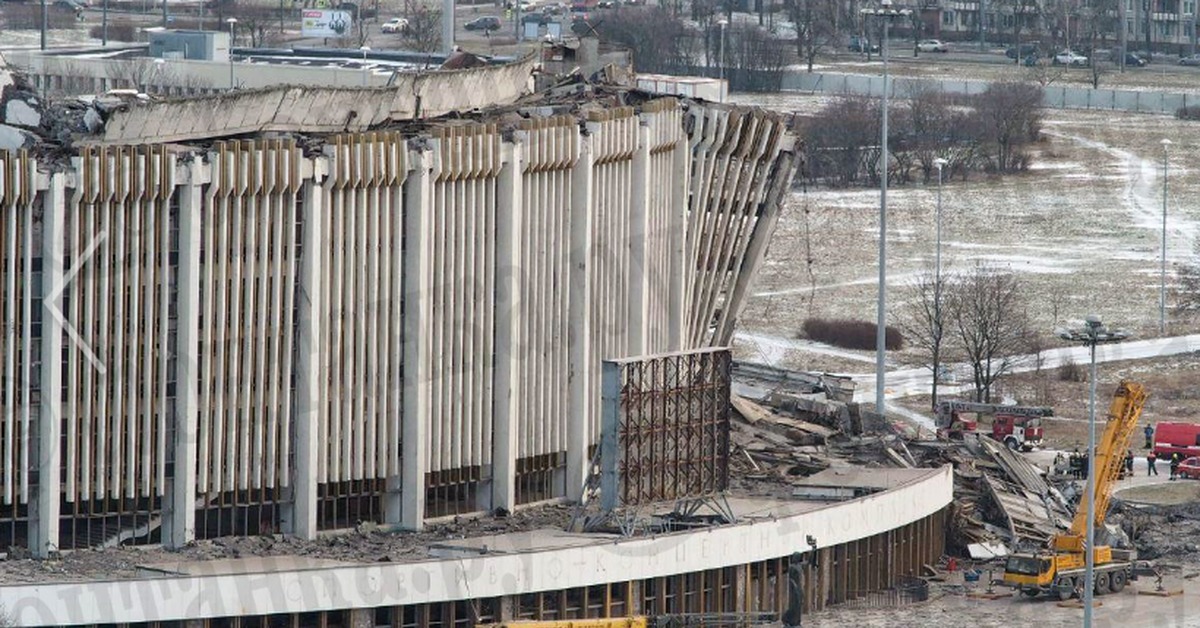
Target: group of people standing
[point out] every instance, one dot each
(1077, 463)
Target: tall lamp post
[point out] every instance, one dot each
(721, 57)
(887, 12)
(938, 163)
(1092, 333)
(366, 71)
(1162, 271)
(232, 21)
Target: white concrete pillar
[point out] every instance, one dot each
(509, 225)
(677, 281)
(43, 529)
(418, 313)
(182, 500)
(301, 519)
(581, 352)
(641, 278)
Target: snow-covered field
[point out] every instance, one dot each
(1082, 228)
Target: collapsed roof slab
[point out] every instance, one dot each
(318, 109)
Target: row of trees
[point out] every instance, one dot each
(988, 132)
(979, 316)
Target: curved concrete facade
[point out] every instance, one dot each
(871, 518)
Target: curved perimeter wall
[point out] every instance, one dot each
(863, 545)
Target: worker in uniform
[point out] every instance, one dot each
(1175, 460)
(1151, 460)
(1129, 462)
(1149, 433)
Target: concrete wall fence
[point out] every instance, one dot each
(256, 338)
(1056, 96)
(864, 546)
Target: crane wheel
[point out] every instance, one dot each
(1102, 582)
(1065, 588)
(1117, 582)
(1012, 443)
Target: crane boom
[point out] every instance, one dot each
(1122, 419)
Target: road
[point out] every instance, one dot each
(905, 382)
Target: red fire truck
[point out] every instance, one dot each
(1018, 427)
(1170, 438)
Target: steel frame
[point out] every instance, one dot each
(666, 427)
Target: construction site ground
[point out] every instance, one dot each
(1081, 229)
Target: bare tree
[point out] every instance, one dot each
(922, 321)
(1024, 13)
(424, 30)
(816, 27)
(659, 42)
(991, 324)
(760, 56)
(1010, 116)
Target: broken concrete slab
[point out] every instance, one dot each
(12, 138)
(18, 112)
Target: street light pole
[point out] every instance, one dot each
(1162, 271)
(938, 163)
(887, 12)
(721, 56)
(1092, 334)
(232, 21)
(366, 71)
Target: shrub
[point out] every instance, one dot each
(117, 31)
(851, 334)
(1071, 371)
(1188, 113)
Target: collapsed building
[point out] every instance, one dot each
(298, 308)
(284, 312)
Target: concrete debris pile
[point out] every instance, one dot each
(20, 112)
(28, 122)
(797, 424)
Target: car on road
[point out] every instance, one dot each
(1192, 60)
(1027, 49)
(862, 44)
(1131, 60)
(1190, 468)
(485, 23)
(69, 5)
(1071, 58)
(932, 45)
(394, 25)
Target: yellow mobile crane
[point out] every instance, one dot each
(1060, 571)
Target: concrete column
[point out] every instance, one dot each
(43, 529)
(676, 284)
(417, 316)
(301, 517)
(643, 280)
(182, 498)
(508, 354)
(582, 354)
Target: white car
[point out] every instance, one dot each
(1068, 57)
(932, 45)
(394, 25)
